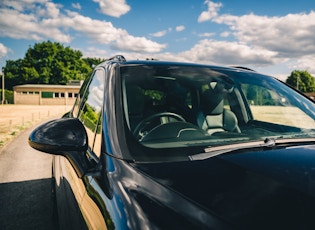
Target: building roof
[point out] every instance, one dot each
(45, 86)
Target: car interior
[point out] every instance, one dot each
(213, 116)
(164, 107)
(177, 105)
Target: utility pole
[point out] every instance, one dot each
(3, 95)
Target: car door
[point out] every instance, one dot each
(90, 114)
(88, 109)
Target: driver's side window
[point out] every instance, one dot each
(90, 113)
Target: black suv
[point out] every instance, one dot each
(166, 145)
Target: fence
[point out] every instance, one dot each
(15, 118)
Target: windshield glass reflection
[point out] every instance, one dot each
(179, 106)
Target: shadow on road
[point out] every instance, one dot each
(27, 205)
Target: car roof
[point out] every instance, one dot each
(121, 61)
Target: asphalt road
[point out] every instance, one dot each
(26, 201)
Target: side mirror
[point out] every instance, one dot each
(66, 137)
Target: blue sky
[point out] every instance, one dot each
(272, 37)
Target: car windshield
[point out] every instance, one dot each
(169, 107)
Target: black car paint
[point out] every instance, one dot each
(69, 214)
(271, 189)
(234, 186)
(148, 203)
(253, 190)
(65, 136)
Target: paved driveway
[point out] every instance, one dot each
(25, 187)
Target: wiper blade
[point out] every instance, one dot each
(267, 143)
(217, 150)
(294, 141)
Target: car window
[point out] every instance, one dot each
(269, 105)
(156, 95)
(78, 101)
(91, 110)
(181, 106)
(226, 102)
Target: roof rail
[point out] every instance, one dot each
(244, 68)
(119, 58)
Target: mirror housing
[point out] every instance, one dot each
(66, 137)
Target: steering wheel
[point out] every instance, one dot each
(140, 130)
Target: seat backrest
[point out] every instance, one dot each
(213, 117)
(135, 102)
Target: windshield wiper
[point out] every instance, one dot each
(267, 143)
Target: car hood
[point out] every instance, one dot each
(251, 190)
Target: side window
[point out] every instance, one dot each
(91, 110)
(79, 97)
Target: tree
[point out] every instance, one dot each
(302, 80)
(92, 62)
(48, 63)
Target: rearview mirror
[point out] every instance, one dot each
(66, 137)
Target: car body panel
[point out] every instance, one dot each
(158, 181)
(69, 193)
(252, 190)
(141, 205)
(232, 191)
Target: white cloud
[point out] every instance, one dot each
(161, 33)
(264, 40)
(180, 28)
(291, 35)
(219, 53)
(45, 21)
(306, 63)
(21, 4)
(3, 50)
(211, 12)
(228, 53)
(95, 52)
(225, 34)
(165, 56)
(130, 43)
(114, 8)
(76, 6)
(19, 25)
(52, 10)
(105, 33)
(250, 40)
(206, 35)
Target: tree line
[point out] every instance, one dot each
(52, 63)
(48, 63)
(302, 80)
